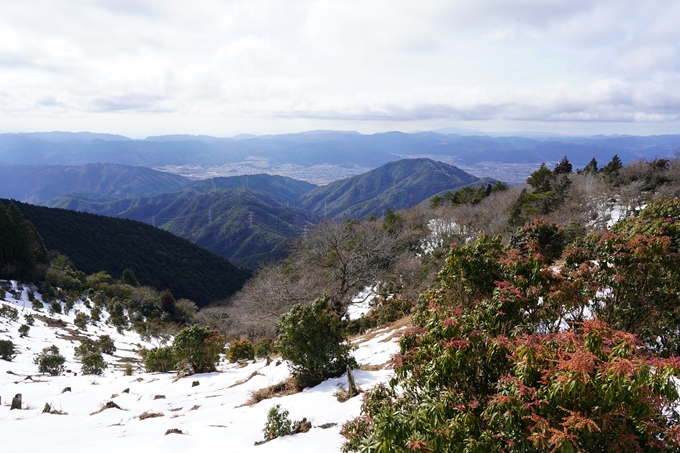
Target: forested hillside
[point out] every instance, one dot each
(395, 185)
(245, 219)
(160, 259)
(36, 183)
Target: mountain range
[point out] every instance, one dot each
(322, 147)
(250, 219)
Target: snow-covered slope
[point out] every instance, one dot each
(210, 415)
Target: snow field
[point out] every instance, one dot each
(212, 414)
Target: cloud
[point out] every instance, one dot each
(322, 60)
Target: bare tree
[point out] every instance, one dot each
(347, 256)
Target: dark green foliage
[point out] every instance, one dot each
(549, 189)
(198, 347)
(591, 168)
(501, 358)
(385, 311)
(239, 350)
(312, 339)
(129, 278)
(472, 194)
(50, 361)
(37, 305)
(168, 302)
(278, 424)
(55, 307)
(30, 320)
(7, 351)
(81, 320)
(264, 348)
(564, 167)
(9, 312)
(106, 344)
(23, 330)
(95, 243)
(540, 238)
(611, 170)
(63, 274)
(540, 179)
(391, 220)
(22, 250)
(90, 355)
(160, 359)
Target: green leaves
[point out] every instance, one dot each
(312, 339)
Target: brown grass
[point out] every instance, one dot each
(149, 414)
(287, 387)
(109, 405)
(370, 334)
(243, 381)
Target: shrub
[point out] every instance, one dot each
(50, 361)
(7, 351)
(278, 424)
(198, 347)
(312, 340)
(240, 349)
(3, 294)
(23, 330)
(127, 370)
(37, 305)
(9, 312)
(90, 357)
(490, 368)
(159, 359)
(81, 320)
(30, 320)
(263, 348)
(55, 307)
(95, 314)
(106, 345)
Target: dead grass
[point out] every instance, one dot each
(406, 321)
(243, 381)
(287, 387)
(105, 406)
(365, 367)
(149, 414)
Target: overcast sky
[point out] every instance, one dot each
(139, 67)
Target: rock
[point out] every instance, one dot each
(67, 389)
(16, 402)
(126, 391)
(195, 383)
(174, 431)
(112, 405)
(47, 408)
(159, 397)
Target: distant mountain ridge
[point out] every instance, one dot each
(36, 183)
(323, 147)
(247, 226)
(250, 219)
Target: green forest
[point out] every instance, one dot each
(159, 259)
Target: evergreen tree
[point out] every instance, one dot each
(563, 168)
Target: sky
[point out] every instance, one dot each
(225, 67)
